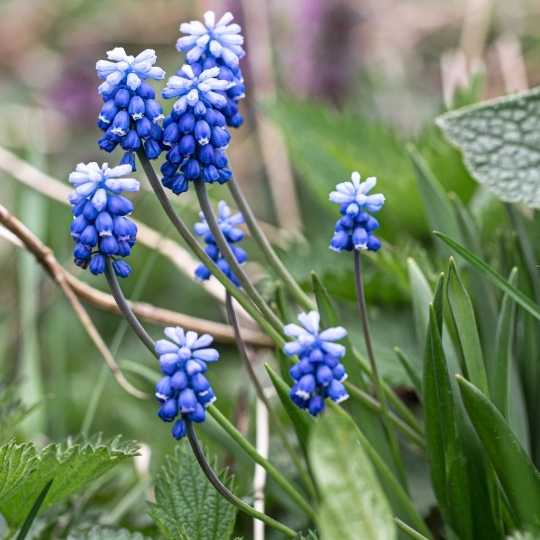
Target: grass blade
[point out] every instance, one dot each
(523, 300)
(34, 511)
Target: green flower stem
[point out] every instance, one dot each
(196, 447)
(375, 377)
(374, 405)
(302, 298)
(409, 531)
(250, 450)
(226, 493)
(226, 251)
(231, 315)
(191, 241)
(391, 396)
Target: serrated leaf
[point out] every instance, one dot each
(352, 498)
(500, 141)
(518, 476)
(104, 533)
(24, 472)
(463, 328)
(187, 506)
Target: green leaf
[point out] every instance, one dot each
(462, 326)
(187, 506)
(301, 422)
(523, 300)
(325, 305)
(352, 498)
(422, 296)
(411, 370)
(502, 361)
(500, 144)
(518, 476)
(34, 511)
(24, 472)
(104, 533)
(437, 206)
(443, 446)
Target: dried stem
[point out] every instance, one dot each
(46, 258)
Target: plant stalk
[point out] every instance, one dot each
(375, 377)
(191, 241)
(225, 492)
(226, 251)
(301, 297)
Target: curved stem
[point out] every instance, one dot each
(226, 251)
(375, 377)
(191, 241)
(125, 307)
(225, 492)
(302, 298)
(272, 471)
(233, 321)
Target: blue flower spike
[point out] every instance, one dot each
(319, 373)
(130, 114)
(209, 44)
(229, 225)
(184, 392)
(100, 226)
(354, 230)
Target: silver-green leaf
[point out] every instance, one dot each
(500, 141)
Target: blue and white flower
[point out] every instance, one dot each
(184, 391)
(220, 39)
(121, 68)
(355, 229)
(100, 226)
(130, 116)
(196, 90)
(319, 373)
(228, 223)
(209, 44)
(353, 197)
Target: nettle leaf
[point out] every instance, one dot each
(24, 472)
(500, 141)
(187, 506)
(104, 533)
(352, 498)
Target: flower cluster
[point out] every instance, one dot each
(130, 114)
(100, 227)
(228, 223)
(354, 230)
(195, 131)
(319, 374)
(211, 44)
(184, 390)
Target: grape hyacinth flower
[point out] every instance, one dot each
(354, 230)
(130, 114)
(319, 373)
(211, 44)
(228, 223)
(100, 227)
(195, 131)
(184, 390)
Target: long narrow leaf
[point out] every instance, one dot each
(523, 300)
(517, 474)
(462, 323)
(34, 511)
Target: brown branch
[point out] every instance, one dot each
(222, 332)
(46, 258)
